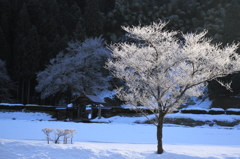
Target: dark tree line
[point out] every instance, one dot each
(34, 31)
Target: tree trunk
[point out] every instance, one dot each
(28, 94)
(23, 92)
(159, 134)
(18, 89)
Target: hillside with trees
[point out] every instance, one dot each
(32, 32)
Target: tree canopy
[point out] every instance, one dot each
(79, 67)
(161, 71)
(53, 23)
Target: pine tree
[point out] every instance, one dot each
(27, 55)
(4, 47)
(46, 47)
(52, 9)
(93, 19)
(28, 60)
(232, 23)
(33, 51)
(49, 27)
(70, 16)
(35, 10)
(75, 12)
(105, 6)
(34, 55)
(23, 27)
(24, 23)
(5, 84)
(57, 45)
(4, 24)
(80, 33)
(51, 18)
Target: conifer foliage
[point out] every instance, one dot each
(93, 19)
(161, 72)
(5, 84)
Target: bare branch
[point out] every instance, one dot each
(226, 85)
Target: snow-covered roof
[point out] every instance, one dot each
(61, 108)
(133, 107)
(195, 108)
(70, 105)
(91, 99)
(8, 104)
(217, 109)
(233, 109)
(95, 99)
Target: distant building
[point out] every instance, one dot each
(82, 111)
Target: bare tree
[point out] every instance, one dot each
(162, 71)
(47, 132)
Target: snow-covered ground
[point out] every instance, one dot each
(21, 138)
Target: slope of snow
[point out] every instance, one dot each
(120, 139)
(206, 117)
(24, 116)
(199, 117)
(233, 109)
(16, 149)
(204, 104)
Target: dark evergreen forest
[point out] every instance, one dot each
(34, 31)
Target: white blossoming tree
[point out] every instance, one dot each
(80, 68)
(162, 71)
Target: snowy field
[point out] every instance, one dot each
(21, 138)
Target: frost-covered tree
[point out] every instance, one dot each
(72, 133)
(80, 69)
(162, 71)
(58, 134)
(68, 133)
(47, 132)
